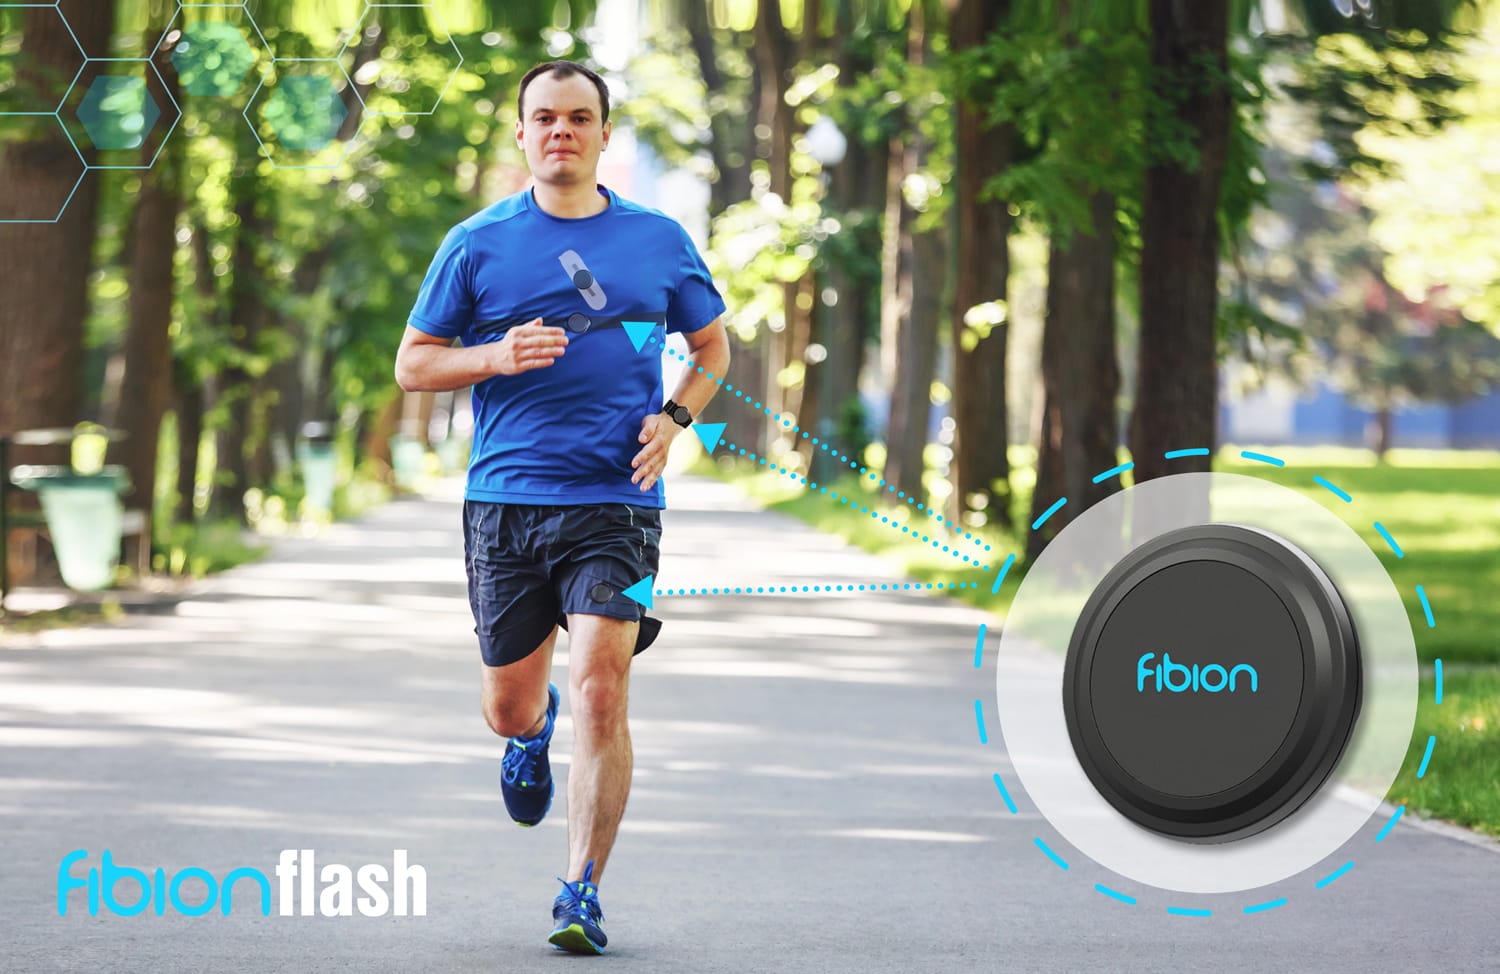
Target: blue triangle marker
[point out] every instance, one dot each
(638, 331)
(710, 434)
(641, 591)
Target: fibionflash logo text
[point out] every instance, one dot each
(302, 889)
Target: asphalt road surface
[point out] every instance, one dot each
(811, 793)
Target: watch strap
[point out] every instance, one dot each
(671, 408)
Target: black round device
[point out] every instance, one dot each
(1212, 682)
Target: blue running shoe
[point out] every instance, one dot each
(526, 772)
(580, 921)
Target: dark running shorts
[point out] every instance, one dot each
(530, 566)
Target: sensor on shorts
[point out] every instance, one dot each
(1212, 682)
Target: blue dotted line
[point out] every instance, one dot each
(1427, 755)
(1268, 905)
(1332, 877)
(1263, 458)
(1186, 911)
(801, 589)
(1333, 489)
(893, 523)
(823, 445)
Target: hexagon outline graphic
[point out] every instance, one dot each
(72, 145)
(81, 53)
(348, 144)
(370, 5)
(176, 118)
(249, 18)
(71, 85)
(60, 16)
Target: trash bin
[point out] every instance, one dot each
(319, 467)
(408, 457)
(84, 517)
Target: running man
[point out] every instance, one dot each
(550, 291)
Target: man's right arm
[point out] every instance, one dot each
(427, 363)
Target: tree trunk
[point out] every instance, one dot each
(920, 262)
(189, 406)
(731, 153)
(286, 384)
(808, 405)
(259, 466)
(1080, 375)
(895, 254)
(844, 326)
(773, 57)
(747, 371)
(146, 388)
(981, 466)
(379, 426)
(1177, 376)
(1383, 431)
(239, 388)
(46, 266)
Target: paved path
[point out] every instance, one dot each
(810, 792)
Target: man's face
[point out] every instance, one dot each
(561, 131)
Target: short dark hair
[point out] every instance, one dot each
(563, 69)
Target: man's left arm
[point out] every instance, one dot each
(707, 366)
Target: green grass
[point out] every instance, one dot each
(1443, 509)
(1462, 783)
(202, 548)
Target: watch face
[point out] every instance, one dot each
(681, 416)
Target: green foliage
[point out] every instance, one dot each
(760, 244)
(1436, 200)
(1077, 103)
(1397, 84)
(669, 109)
(1309, 270)
(213, 58)
(872, 109)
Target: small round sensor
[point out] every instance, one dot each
(1212, 682)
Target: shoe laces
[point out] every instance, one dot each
(520, 761)
(519, 764)
(582, 897)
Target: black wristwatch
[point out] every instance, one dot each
(679, 414)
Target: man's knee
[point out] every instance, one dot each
(510, 717)
(599, 696)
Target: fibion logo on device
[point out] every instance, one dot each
(302, 888)
(1212, 678)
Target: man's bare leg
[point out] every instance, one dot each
(514, 696)
(599, 654)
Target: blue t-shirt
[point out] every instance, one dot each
(566, 433)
